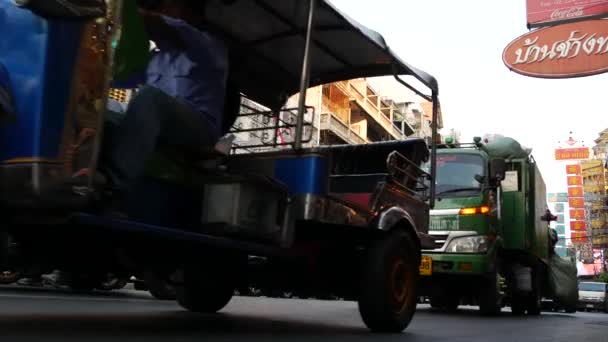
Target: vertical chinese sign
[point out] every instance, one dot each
(576, 202)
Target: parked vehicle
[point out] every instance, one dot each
(348, 220)
(593, 296)
(493, 246)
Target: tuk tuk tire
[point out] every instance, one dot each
(387, 298)
(159, 288)
(4, 249)
(210, 287)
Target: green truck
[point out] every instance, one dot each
(493, 245)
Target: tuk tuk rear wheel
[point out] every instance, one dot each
(389, 280)
(208, 288)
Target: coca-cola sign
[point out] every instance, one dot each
(551, 12)
(564, 51)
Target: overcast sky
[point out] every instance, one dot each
(461, 44)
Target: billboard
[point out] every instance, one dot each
(576, 191)
(573, 169)
(551, 12)
(576, 153)
(576, 202)
(578, 226)
(557, 197)
(577, 214)
(564, 51)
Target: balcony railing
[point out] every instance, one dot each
(371, 109)
(331, 122)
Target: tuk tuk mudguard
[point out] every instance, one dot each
(48, 59)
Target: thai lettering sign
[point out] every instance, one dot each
(578, 226)
(573, 153)
(576, 191)
(560, 219)
(573, 169)
(551, 12)
(576, 202)
(564, 51)
(575, 181)
(557, 197)
(559, 208)
(577, 214)
(561, 229)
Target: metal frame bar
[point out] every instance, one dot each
(305, 79)
(435, 101)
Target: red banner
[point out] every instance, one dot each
(578, 226)
(576, 191)
(576, 202)
(573, 169)
(550, 12)
(577, 214)
(575, 181)
(578, 237)
(572, 153)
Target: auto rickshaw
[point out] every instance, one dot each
(347, 220)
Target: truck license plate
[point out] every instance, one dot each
(426, 266)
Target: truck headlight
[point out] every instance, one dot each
(468, 244)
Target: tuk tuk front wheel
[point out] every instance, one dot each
(389, 280)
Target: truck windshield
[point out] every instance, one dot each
(456, 174)
(592, 287)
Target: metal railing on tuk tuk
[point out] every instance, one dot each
(424, 181)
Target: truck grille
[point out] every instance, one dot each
(440, 240)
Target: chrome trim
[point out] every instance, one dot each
(444, 212)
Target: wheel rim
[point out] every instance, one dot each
(401, 283)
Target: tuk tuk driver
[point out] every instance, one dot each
(182, 101)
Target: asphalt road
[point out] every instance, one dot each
(46, 315)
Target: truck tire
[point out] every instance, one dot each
(518, 305)
(490, 299)
(534, 299)
(389, 280)
(208, 288)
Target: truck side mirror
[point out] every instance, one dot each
(498, 169)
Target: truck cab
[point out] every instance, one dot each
(593, 296)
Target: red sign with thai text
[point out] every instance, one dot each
(563, 51)
(577, 214)
(576, 191)
(578, 237)
(572, 153)
(573, 169)
(576, 202)
(575, 181)
(550, 12)
(578, 226)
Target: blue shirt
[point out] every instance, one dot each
(195, 75)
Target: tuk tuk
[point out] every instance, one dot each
(350, 220)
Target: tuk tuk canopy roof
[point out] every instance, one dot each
(267, 47)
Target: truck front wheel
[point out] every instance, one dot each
(490, 298)
(389, 279)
